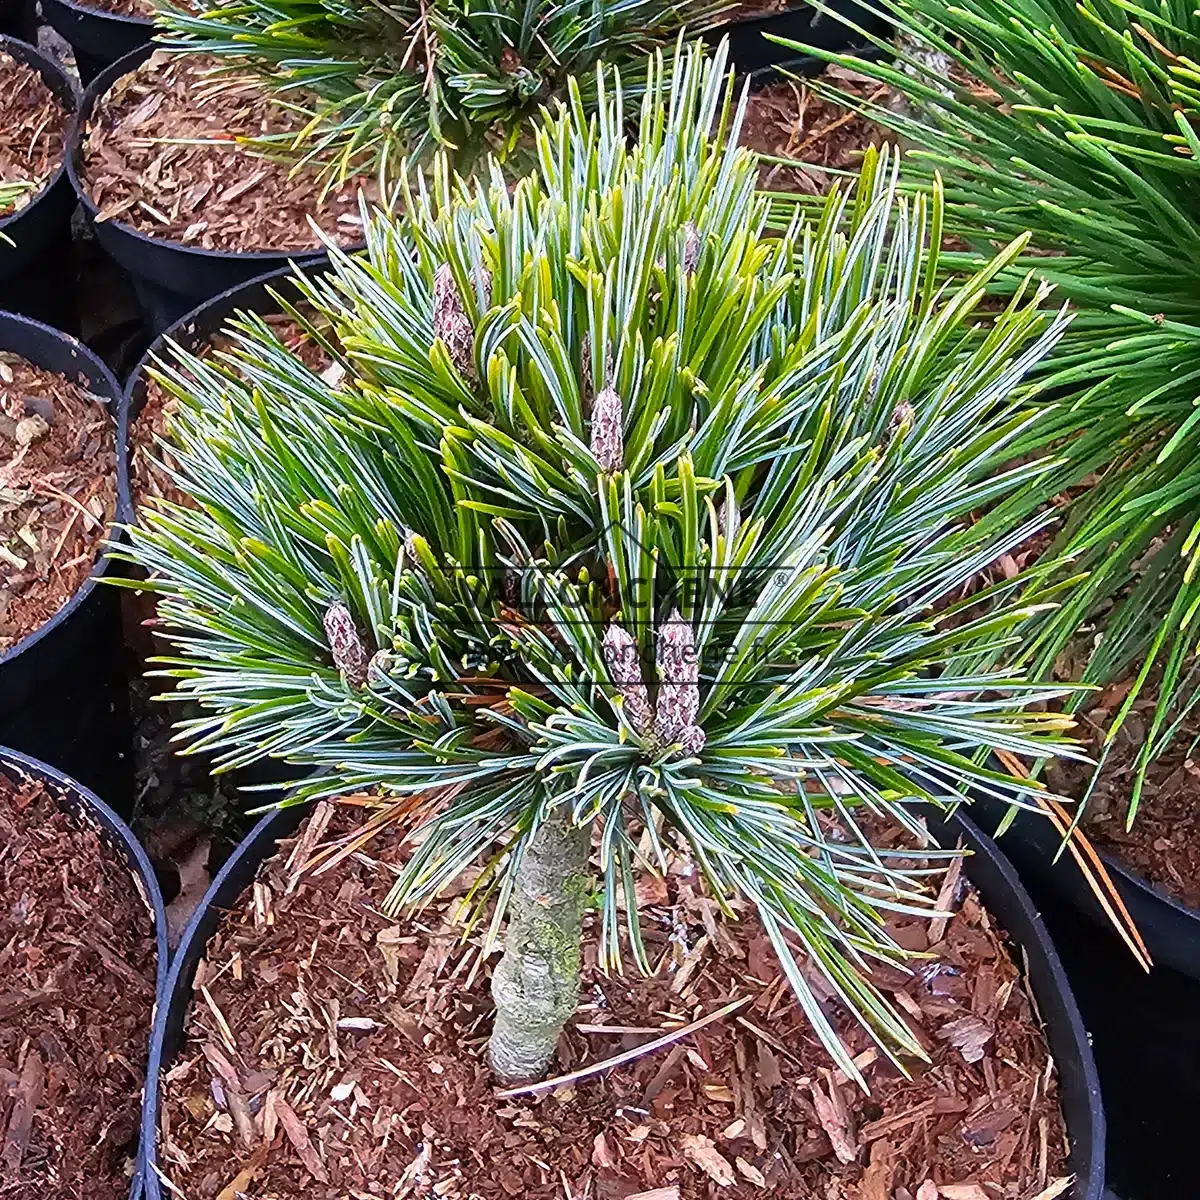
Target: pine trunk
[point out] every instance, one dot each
(536, 983)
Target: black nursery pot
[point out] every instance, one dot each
(192, 332)
(63, 695)
(170, 279)
(1170, 929)
(36, 266)
(97, 38)
(88, 806)
(986, 867)
(761, 61)
(17, 19)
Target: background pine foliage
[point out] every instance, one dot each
(1079, 122)
(622, 510)
(402, 79)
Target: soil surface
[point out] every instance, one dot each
(77, 976)
(148, 481)
(789, 120)
(1163, 844)
(32, 134)
(162, 155)
(58, 489)
(333, 1052)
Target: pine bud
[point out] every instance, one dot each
(621, 658)
(451, 323)
(902, 420)
(691, 248)
(382, 662)
(692, 741)
(608, 442)
(678, 674)
(349, 653)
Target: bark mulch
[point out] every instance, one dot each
(58, 490)
(333, 1052)
(148, 481)
(33, 135)
(123, 8)
(77, 976)
(1163, 844)
(161, 154)
(789, 120)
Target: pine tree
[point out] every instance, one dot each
(625, 520)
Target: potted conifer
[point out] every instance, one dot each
(623, 530)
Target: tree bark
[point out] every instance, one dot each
(536, 983)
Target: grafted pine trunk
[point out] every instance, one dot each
(536, 984)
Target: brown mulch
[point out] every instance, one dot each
(33, 132)
(1163, 844)
(789, 120)
(77, 976)
(149, 483)
(124, 8)
(331, 1052)
(58, 489)
(160, 154)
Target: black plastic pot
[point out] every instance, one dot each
(97, 38)
(63, 696)
(37, 272)
(192, 332)
(762, 62)
(171, 279)
(17, 19)
(987, 868)
(1146, 1040)
(1170, 929)
(79, 800)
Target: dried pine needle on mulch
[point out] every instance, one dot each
(77, 978)
(58, 490)
(32, 134)
(161, 154)
(789, 120)
(331, 1052)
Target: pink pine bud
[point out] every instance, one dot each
(903, 416)
(625, 670)
(451, 323)
(349, 653)
(678, 674)
(608, 441)
(691, 248)
(692, 741)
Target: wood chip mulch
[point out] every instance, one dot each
(148, 481)
(128, 8)
(58, 492)
(123, 8)
(1163, 844)
(161, 155)
(789, 120)
(331, 1052)
(77, 978)
(33, 132)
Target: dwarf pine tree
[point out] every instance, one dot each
(624, 524)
